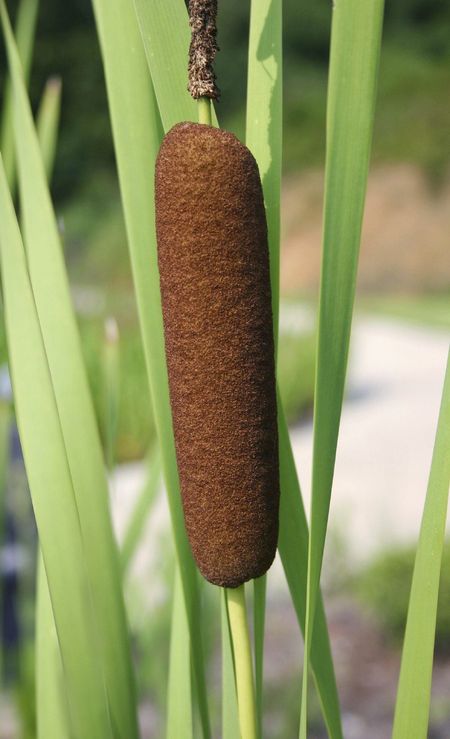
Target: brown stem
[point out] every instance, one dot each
(203, 49)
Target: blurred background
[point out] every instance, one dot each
(396, 368)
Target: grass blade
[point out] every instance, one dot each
(24, 32)
(413, 697)
(165, 26)
(137, 133)
(230, 716)
(264, 138)
(47, 123)
(111, 388)
(179, 690)
(79, 431)
(354, 57)
(51, 698)
(57, 517)
(264, 126)
(293, 549)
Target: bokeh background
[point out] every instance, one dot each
(397, 360)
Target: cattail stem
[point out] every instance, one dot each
(204, 111)
(245, 686)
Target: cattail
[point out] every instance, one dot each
(215, 286)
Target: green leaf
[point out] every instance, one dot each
(51, 699)
(25, 32)
(111, 388)
(48, 122)
(414, 689)
(141, 510)
(264, 127)
(56, 515)
(179, 690)
(264, 138)
(293, 549)
(57, 326)
(164, 27)
(52, 707)
(230, 715)
(354, 57)
(137, 134)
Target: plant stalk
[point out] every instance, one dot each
(204, 111)
(245, 687)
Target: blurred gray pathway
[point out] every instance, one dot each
(389, 418)
(395, 380)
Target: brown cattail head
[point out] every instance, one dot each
(215, 286)
(203, 49)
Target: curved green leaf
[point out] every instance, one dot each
(414, 689)
(354, 58)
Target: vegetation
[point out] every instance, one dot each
(84, 654)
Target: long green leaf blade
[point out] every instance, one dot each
(137, 133)
(51, 698)
(230, 714)
(293, 549)
(47, 122)
(179, 690)
(78, 426)
(165, 26)
(25, 31)
(264, 126)
(264, 138)
(354, 58)
(414, 689)
(57, 517)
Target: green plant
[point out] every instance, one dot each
(144, 48)
(385, 584)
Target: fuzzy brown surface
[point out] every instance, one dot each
(215, 286)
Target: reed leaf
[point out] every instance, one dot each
(52, 707)
(24, 32)
(230, 715)
(264, 138)
(354, 58)
(57, 517)
(179, 690)
(57, 327)
(165, 26)
(414, 689)
(137, 133)
(47, 122)
(264, 132)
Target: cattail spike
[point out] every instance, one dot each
(215, 288)
(203, 49)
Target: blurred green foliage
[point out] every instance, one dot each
(385, 585)
(412, 116)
